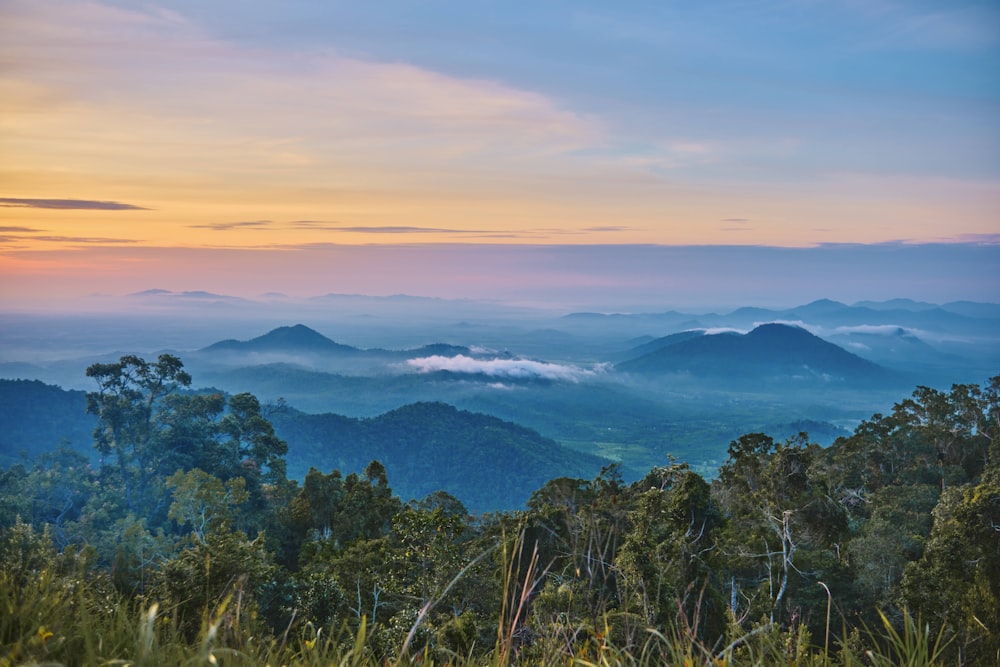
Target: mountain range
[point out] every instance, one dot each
(629, 387)
(768, 351)
(960, 317)
(300, 340)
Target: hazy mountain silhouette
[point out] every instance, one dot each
(662, 342)
(896, 304)
(767, 351)
(960, 317)
(294, 339)
(300, 343)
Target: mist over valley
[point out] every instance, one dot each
(586, 389)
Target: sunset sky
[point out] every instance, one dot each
(468, 149)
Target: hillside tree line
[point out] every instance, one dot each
(189, 513)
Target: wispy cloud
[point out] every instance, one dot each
(740, 225)
(82, 239)
(315, 224)
(226, 226)
(986, 239)
(300, 113)
(338, 228)
(25, 235)
(401, 229)
(874, 329)
(523, 369)
(77, 204)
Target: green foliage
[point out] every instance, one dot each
(430, 553)
(190, 545)
(956, 581)
(127, 406)
(205, 503)
(488, 463)
(667, 556)
(45, 417)
(198, 580)
(912, 646)
(253, 450)
(780, 516)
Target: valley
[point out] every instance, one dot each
(594, 389)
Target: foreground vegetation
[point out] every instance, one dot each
(187, 543)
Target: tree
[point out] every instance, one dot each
(667, 557)
(430, 548)
(315, 506)
(957, 581)
(253, 450)
(126, 404)
(780, 516)
(188, 433)
(224, 568)
(368, 506)
(205, 502)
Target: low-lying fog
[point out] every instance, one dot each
(632, 387)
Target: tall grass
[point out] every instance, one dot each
(914, 646)
(59, 617)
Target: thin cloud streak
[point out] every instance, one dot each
(92, 242)
(69, 204)
(405, 230)
(226, 226)
(986, 239)
(89, 240)
(320, 226)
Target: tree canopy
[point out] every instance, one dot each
(190, 506)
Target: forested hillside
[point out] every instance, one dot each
(489, 463)
(187, 541)
(36, 417)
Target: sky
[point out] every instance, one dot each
(544, 152)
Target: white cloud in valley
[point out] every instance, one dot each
(521, 369)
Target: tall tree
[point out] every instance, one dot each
(253, 451)
(780, 517)
(126, 404)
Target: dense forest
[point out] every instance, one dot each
(185, 540)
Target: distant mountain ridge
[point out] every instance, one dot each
(299, 339)
(766, 351)
(157, 293)
(959, 315)
(296, 338)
